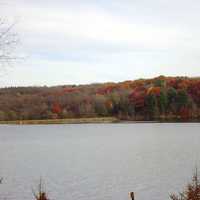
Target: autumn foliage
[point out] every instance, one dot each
(137, 97)
(191, 191)
(56, 108)
(144, 99)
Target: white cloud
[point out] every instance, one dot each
(107, 40)
(94, 24)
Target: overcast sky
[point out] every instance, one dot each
(86, 41)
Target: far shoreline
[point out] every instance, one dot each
(93, 120)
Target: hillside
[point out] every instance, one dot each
(162, 97)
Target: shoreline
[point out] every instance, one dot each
(63, 121)
(93, 120)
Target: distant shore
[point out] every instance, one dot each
(65, 121)
(92, 120)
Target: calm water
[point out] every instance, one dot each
(98, 161)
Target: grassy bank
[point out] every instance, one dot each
(96, 120)
(65, 121)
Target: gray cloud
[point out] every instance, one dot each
(108, 40)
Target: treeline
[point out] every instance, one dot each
(143, 99)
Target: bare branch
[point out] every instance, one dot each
(5, 32)
(8, 42)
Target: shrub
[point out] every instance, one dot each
(191, 191)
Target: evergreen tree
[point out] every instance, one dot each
(151, 103)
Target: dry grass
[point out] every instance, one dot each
(65, 121)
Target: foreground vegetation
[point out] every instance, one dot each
(160, 98)
(190, 192)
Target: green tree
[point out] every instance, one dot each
(163, 101)
(131, 110)
(151, 103)
(182, 99)
(159, 83)
(171, 96)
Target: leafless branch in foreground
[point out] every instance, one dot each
(8, 42)
(40, 194)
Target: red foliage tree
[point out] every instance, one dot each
(194, 91)
(56, 108)
(69, 90)
(106, 89)
(137, 97)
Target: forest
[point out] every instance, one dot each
(159, 98)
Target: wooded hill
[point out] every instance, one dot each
(143, 99)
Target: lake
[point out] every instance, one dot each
(98, 161)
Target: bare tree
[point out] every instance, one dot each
(8, 42)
